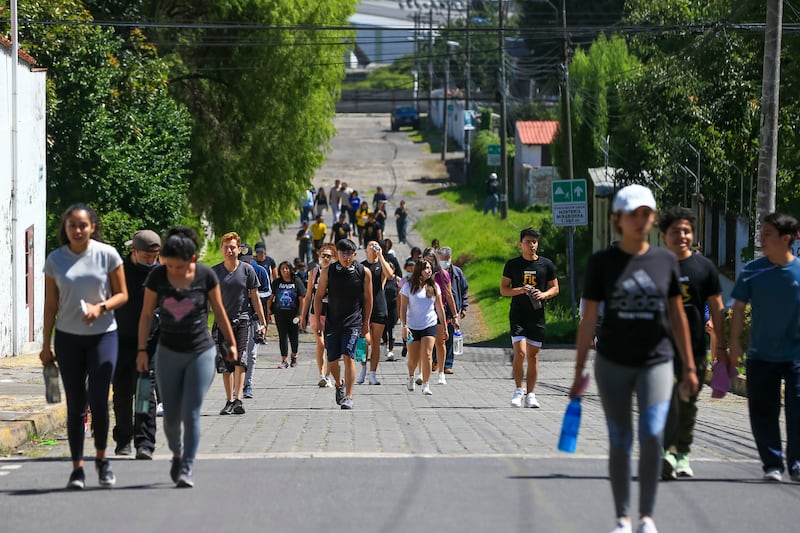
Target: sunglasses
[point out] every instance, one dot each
(326, 256)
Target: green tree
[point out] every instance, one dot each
(117, 140)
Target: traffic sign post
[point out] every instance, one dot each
(570, 207)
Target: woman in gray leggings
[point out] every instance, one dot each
(182, 289)
(643, 312)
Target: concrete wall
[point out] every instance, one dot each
(30, 197)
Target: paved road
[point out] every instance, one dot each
(459, 460)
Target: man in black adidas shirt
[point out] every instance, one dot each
(699, 282)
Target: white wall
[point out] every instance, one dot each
(30, 200)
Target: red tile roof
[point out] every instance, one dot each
(537, 131)
(23, 55)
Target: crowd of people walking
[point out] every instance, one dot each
(645, 311)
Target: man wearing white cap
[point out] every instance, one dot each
(141, 428)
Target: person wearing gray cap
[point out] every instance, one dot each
(141, 428)
(492, 197)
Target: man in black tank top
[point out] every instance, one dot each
(349, 292)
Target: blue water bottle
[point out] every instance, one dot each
(458, 342)
(361, 350)
(144, 390)
(569, 428)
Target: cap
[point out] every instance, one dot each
(632, 197)
(409, 263)
(245, 252)
(493, 176)
(145, 240)
(259, 247)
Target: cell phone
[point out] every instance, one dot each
(84, 307)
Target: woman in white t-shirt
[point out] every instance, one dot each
(84, 281)
(420, 307)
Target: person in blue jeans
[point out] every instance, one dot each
(183, 289)
(771, 285)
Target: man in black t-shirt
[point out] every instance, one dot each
(349, 292)
(530, 280)
(340, 230)
(700, 286)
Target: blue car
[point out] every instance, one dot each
(405, 116)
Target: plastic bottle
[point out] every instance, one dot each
(410, 338)
(569, 428)
(536, 304)
(52, 392)
(361, 350)
(458, 342)
(144, 390)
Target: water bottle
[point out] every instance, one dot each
(410, 337)
(361, 350)
(569, 428)
(144, 390)
(52, 392)
(458, 342)
(536, 304)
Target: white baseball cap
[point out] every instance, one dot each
(632, 197)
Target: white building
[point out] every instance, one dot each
(533, 163)
(22, 204)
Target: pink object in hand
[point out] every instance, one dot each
(721, 377)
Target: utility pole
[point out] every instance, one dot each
(770, 92)
(446, 83)
(416, 60)
(567, 124)
(503, 134)
(430, 66)
(467, 76)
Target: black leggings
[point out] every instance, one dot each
(87, 366)
(288, 332)
(391, 320)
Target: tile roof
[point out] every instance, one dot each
(23, 55)
(537, 131)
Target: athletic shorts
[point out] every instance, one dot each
(241, 330)
(377, 319)
(340, 342)
(532, 329)
(427, 332)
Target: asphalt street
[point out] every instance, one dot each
(461, 460)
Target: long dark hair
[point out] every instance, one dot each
(291, 270)
(93, 218)
(416, 279)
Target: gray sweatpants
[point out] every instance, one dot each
(653, 387)
(183, 380)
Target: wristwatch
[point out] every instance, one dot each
(103, 307)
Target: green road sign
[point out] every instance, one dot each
(493, 155)
(569, 203)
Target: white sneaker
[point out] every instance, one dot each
(159, 409)
(426, 389)
(442, 380)
(390, 356)
(329, 379)
(373, 379)
(516, 400)
(361, 375)
(418, 381)
(530, 401)
(323, 381)
(646, 525)
(411, 385)
(773, 474)
(623, 526)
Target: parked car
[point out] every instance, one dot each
(405, 116)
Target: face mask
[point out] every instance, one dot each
(408, 274)
(149, 265)
(444, 264)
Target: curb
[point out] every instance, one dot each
(15, 433)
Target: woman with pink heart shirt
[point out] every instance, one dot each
(182, 289)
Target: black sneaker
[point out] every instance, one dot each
(185, 478)
(123, 449)
(175, 469)
(238, 408)
(77, 480)
(339, 395)
(293, 364)
(228, 409)
(144, 453)
(104, 474)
